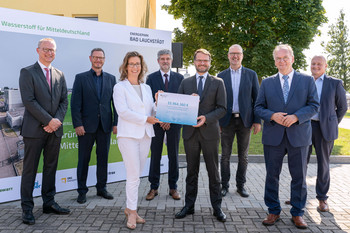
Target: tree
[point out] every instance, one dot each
(338, 49)
(257, 25)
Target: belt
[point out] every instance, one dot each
(315, 120)
(235, 115)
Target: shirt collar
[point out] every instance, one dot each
(290, 75)
(320, 78)
(43, 66)
(239, 70)
(204, 75)
(94, 73)
(162, 73)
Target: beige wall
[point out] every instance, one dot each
(137, 13)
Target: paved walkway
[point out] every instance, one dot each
(243, 214)
(345, 123)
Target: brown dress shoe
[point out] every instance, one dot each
(175, 194)
(323, 206)
(287, 202)
(299, 222)
(151, 194)
(271, 219)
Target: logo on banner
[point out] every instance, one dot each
(111, 173)
(68, 179)
(37, 185)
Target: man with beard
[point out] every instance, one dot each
(166, 80)
(205, 135)
(93, 121)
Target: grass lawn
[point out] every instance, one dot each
(341, 145)
(347, 115)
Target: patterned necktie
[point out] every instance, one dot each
(285, 88)
(48, 76)
(166, 83)
(200, 86)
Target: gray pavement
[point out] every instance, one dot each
(243, 214)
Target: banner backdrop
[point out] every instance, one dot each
(20, 32)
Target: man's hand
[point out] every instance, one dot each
(289, 120)
(54, 124)
(278, 117)
(114, 129)
(201, 121)
(48, 129)
(165, 126)
(256, 127)
(80, 131)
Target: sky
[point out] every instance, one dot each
(332, 7)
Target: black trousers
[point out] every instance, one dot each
(50, 146)
(86, 143)
(193, 147)
(323, 150)
(228, 133)
(173, 138)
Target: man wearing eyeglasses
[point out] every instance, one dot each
(205, 135)
(242, 88)
(286, 102)
(94, 118)
(44, 95)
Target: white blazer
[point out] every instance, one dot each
(132, 111)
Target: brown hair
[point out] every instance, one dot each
(123, 68)
(204, 51)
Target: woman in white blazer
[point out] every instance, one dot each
(134, 104)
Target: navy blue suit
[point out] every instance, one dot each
(240, 126)
(98, 116)
(155, 81)
(295, 140)
(333, 107)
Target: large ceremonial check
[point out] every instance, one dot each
(177, 108)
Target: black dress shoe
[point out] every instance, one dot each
(105, 194)
(81, 198)
(220, 215)
(55, 209)
(185, 211)
(224, 191)
(242, 192)
(28, 217)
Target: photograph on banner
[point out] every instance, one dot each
(177, 108)
(20, 32)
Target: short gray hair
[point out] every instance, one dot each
(47, 39)
(283, 46)
(164, 52)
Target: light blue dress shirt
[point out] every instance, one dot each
(235, 80)
(203, 80)
(319, 86)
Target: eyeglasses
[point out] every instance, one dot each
(278, 59)
(235, 54)
(98, 58)
(202, 61)
(46, 50)
(134, 64)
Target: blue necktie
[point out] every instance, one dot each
(285, 88)
(200, 86)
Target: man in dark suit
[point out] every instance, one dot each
(168, 81)
(324, 124)
(286, 102)
(205, 135)
(44, 95)
(242, 88)
(93, 120)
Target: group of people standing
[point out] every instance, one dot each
(298, 111)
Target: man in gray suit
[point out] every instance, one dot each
(205, 135)
(242, 88)
(44, 95)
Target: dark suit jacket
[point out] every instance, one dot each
(155, 81)
(212, 105)
(86, 106)
(41, 104)
(302, 101)
(333, 107)
(248, 91)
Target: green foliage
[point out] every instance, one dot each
(258, 26)
(338, 49)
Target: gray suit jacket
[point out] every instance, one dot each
(212, 105)
(41, 104)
